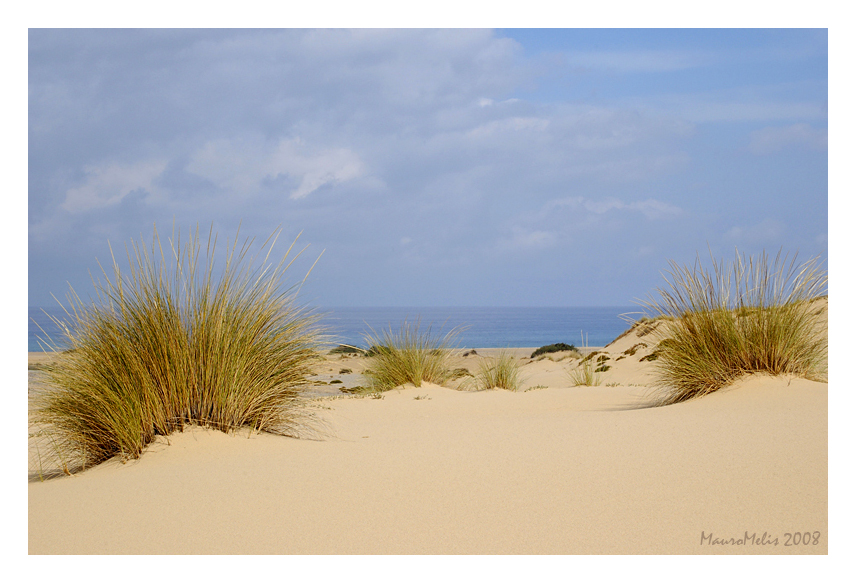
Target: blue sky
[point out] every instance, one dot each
(433, 167)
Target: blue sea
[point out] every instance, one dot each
(479, 326)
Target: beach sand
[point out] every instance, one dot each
(431, 470)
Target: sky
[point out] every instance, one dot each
(444, 167)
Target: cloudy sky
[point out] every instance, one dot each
(433, 167)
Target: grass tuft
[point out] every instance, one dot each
(586, 373)
(165, 345)
(408, 356)
(501, 372)
(750, 315)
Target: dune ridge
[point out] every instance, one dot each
(550, 469)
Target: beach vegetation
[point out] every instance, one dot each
(745, 316)
(173, 342)
(346, 350)
(502, 372)
(374, 351)
(585, 373)
(631, 351)
(460, 372)
(554, 348)
(357, 390)
(408, 355)
(599, 356)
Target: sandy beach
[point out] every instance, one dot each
(550, 469)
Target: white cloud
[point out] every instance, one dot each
(641, 61)
(745, 103)
(767, 231)
(750, 111)
(651, 208)
(654, 209)
(629, 168)
(109, 183)
(325, 167)
(507, 126)
(240, 166)
(528, 239)
(773, 139)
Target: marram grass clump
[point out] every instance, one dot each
(168, 345)
(408, 356)
(502, 372)
(748, 316)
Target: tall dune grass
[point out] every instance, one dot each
(502, 372)
(750, 315)
(408, 356)
(169, 345)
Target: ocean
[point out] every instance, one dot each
(478, 326)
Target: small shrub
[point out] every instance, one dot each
(344, 371)
(335, 381)
(408, 356)
(597, 355)
(555, 348)
(631, 351)
(374, 351)
(346, 350)
(747, 316)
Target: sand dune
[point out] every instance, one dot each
(550, 469)
(432, 470)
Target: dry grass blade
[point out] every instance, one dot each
(749, 316)
(408, 356)
(166, 345)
